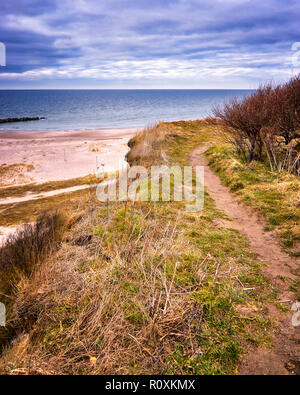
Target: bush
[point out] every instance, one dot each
(245, 119)
(266, 124)
(286, 110)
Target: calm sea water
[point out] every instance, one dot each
(102, 109)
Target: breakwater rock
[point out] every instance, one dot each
(23, 119)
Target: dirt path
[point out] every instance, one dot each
(284, 358)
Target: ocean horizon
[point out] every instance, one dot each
(86, 109)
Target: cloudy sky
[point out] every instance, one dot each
(147, 43)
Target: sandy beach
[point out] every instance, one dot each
(38, 157)
(50, 156)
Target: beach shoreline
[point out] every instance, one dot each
(102, 134)
(53, 156)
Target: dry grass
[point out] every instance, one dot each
(142, 287)
(28, 211)
(16, 173)
(142, 295)
(22, 190)
(148, 146)
(20, 257)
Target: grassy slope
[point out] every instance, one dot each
(156, 289)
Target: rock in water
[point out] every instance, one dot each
(23, 119)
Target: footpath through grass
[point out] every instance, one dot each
(274, 195)
(144, 287)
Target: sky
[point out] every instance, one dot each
(139, 44)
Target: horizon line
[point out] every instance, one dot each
(127, 89)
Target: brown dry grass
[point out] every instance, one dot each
(28, 211)
(148, 146)
(21, 255)
(22, 190)
(130, 293)
(141, 287)
(16, 173)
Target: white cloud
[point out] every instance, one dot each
(184, 39)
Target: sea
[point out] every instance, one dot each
(107, 109)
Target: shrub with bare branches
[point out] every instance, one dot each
(286, 102)
(245, 119)
(266, 123)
